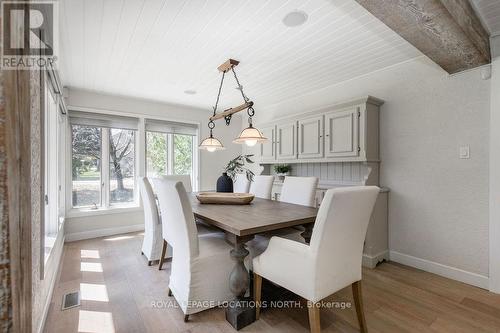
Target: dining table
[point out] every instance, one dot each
(241, 223)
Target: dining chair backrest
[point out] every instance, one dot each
(177, 217)
(151, 218)
(339, 233)
(241, 183)
(299, 190)
(185, 179)
(262, 186)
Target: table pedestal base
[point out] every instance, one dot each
(240, 313)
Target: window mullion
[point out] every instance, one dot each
(170, 140)
(105, 172)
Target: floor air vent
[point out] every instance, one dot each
(71, 300)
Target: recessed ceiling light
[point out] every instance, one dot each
(190, 92)
(295, 18)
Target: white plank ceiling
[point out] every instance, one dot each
(489, 11)
(157, 49)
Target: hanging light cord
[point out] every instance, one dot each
(240, 87)
(250, 110)
(218, 94)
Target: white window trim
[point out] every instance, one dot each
(140, 155)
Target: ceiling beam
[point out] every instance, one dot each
(447, 31)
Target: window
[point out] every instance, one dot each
(103, 160)
(105, 151)
(170, 149)
(86, 165)
(121, 165)
(53, 130)
(183, 154)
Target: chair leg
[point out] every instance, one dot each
(163, 251)
(257, 293)
(358, 303)
(186, 318)
(149, 262)
(314, 323)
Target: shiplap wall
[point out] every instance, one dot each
(338, 172)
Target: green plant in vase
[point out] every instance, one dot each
(282, 170)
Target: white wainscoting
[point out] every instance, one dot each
(341, 172)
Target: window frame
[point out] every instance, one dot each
(140, 162)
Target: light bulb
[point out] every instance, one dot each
(250, 143)
(211, 149)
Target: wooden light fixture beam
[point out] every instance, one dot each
(447, 31)
(231, 111)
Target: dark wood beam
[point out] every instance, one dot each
(447, 31)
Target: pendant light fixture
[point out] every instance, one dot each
(250, 135)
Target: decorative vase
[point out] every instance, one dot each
(281, 176)
(224, 183)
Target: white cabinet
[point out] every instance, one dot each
(268, 148)
(286, 141)
(346, 132)
(341, 133)
(310, 137)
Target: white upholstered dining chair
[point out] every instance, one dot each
(200, 265)
(202, 228)
(153, 240)
(299, 190)
(262, 186)
(185, 179)
(331, 262)
(241, 183)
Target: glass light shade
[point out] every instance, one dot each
(250, 136)
(211, 144)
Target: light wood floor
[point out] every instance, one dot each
(396, 299)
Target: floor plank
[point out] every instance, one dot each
(126, 295)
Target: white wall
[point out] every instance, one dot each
(495, 168)
(438, 206)
(212, 164)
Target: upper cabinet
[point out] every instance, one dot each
(286, 141)
(341, 133)
(346, 132)
(268, 148)
(310, 137)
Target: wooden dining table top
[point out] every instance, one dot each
(261, 215)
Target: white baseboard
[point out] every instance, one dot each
(453, 273)
(372, 261)
(46, 306)
(103, 232)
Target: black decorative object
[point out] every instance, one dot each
(224, 183)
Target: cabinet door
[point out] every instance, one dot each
(267, 149)
(341, 133)
(286, 141)
(310, 137)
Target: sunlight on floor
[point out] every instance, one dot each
(112, 239)
(95, 322)
(89, 254)
(90, 267)
(94, 292)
